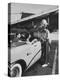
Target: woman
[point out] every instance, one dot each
(43, 36)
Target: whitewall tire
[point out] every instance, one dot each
(16, 70)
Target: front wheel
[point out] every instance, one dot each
(16, 70)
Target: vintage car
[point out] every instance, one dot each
(22, 55)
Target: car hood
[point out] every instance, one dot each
(16, 44)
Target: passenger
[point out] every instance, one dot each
(16, 39)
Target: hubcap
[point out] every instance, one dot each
(15, 72)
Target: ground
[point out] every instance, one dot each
(37, 69)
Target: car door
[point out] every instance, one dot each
(34, 53)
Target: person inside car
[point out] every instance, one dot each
(17, 37)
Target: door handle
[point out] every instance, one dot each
(28, 54)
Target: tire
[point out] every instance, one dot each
(16, 70)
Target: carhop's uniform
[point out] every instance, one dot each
(42, 34)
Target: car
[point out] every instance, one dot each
(22, 55)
